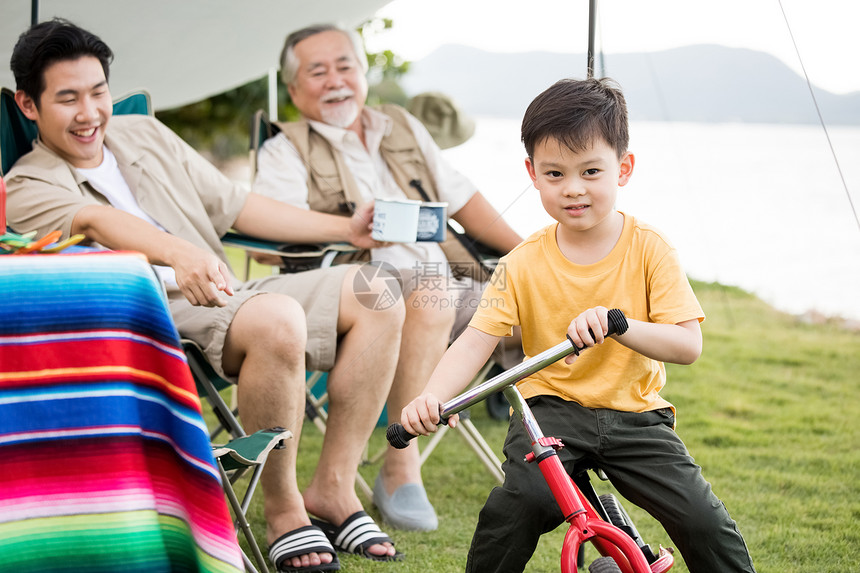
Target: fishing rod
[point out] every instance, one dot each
(820, 117)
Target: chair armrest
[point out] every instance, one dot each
(289, 250)
(291, 257)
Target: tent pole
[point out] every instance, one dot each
(273, 94)
(592, 17)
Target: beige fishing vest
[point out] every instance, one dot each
(332, 188)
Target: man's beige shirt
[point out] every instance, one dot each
(172, 183)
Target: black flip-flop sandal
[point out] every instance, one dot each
(356, 534)
(298, 542)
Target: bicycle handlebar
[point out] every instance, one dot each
(399, 438)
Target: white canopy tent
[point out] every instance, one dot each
(183, 51)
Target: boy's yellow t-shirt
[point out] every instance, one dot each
(536, 287)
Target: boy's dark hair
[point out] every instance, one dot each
(50, 42)
(576, 113)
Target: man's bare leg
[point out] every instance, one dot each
(399, 491)
(265, 344)
(357, 387)
(429, 318)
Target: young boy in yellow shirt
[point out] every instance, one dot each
(605, 405)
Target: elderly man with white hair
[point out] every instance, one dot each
(343, 153)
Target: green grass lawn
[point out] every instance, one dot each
(771, 413)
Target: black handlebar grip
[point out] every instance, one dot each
(617, 322)
(397, 436)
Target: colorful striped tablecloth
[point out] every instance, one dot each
(106, 463)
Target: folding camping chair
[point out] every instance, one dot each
(241, 453)
(16, 131)
(261, 130)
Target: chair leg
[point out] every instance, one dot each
(247, 266)
(249, 567)
(362, 485)
(242, 523)
(238, 452)
(432, 443)
(471, 434)
(476, 441)
(466, 429)
(485, 453)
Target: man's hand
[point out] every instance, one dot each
(202, 277)
(360, 227)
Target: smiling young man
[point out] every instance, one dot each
(129, 183)
(605, 405)
(343, 153)
(74, 133)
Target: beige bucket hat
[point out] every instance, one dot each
(445, 121)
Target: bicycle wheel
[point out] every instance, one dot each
(617, 516)
(604, 565)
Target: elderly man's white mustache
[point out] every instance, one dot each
(336, 95)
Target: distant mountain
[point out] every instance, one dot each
(703, 83)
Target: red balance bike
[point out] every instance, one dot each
(599, 520)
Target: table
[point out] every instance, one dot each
(106, 462)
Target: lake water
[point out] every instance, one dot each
(761, 207)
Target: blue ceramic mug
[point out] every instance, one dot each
(432, 222)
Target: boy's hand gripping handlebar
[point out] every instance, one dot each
(398, 437)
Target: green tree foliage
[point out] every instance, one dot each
(220, 125)
(386, 67)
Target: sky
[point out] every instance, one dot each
(826, 31)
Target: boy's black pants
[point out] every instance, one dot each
(645, 461)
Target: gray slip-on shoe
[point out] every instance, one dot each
(407, 508)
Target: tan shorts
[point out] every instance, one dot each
(318, 291)
(466, 296)
(463, 294)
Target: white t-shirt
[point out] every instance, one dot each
(107, 179)
(282, 175)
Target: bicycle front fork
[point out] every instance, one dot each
(585, 523)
